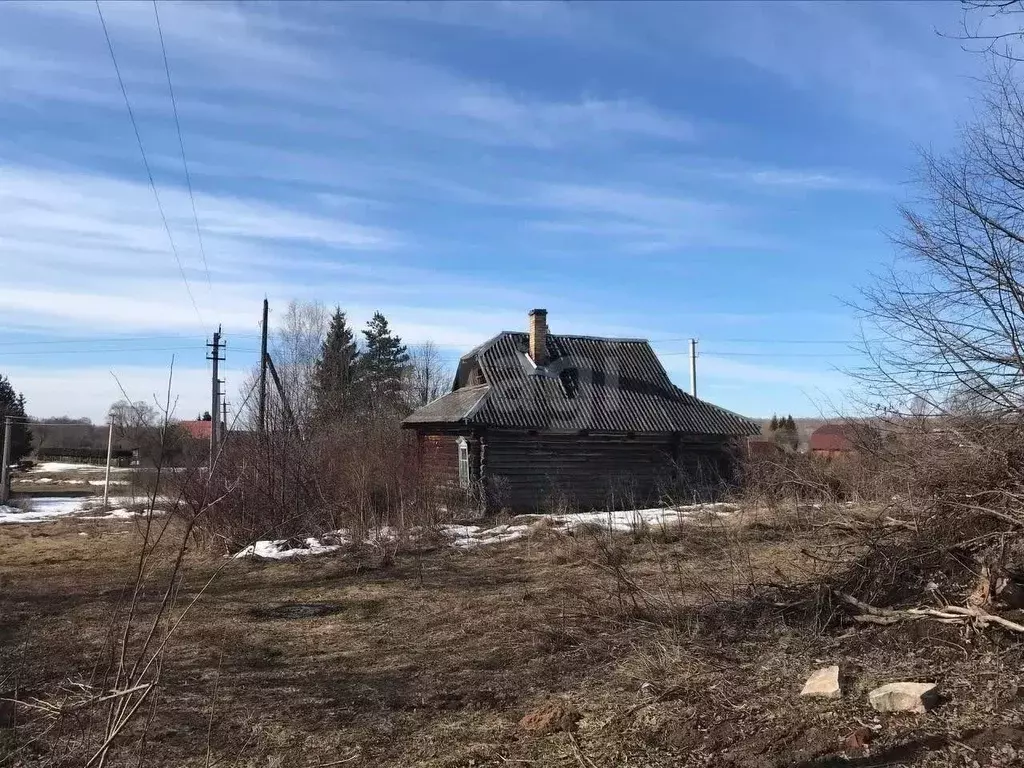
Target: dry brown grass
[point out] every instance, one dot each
(432, 661)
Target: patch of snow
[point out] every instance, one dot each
(61, 466)
(282, 549)
(112, 482)
(631, 520)
(623, 521)
(43, 508)
(472, 536)
(46, 508)
(122, 514)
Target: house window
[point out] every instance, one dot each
(463, 462)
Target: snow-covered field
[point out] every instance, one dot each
(472, 536)
(61, 466)
(46, 508)
(42, 509)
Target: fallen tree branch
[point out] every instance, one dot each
(947, 614)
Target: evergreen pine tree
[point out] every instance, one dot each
(335, 374)
(775, 423)
(790, 438)
(383, 365)
(13, 404)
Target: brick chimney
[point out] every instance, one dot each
(539, 336)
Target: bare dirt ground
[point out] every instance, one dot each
(670, 648)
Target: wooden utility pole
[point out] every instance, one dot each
(262, 419)
(5, 475)
(224, 422)
(106, 478)
(693, 367)
(215, 356)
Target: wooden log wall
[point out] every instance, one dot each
(439, 459)
(438, 455)
(524, 471)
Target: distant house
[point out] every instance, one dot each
(537, 417)
(199, 429)
(831, 440)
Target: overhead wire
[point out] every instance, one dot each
(727, 353)
(114, 350)
(761, 341)
(181, 144)
(145, 162)
(119, 339)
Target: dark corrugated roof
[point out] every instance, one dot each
(453, 407)
(607, 385)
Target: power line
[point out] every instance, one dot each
(763, 341)
(181, 144)
(145, 161)
(113, 350)
(817, 355)
(116, 339)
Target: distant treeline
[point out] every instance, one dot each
(120, 456)
(64, 436)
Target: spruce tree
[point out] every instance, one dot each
(335, 375)
(383, 365)
(788, 426)
(13, 404)
(775, 423)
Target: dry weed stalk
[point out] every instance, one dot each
(85, 722)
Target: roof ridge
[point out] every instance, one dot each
(617, 339)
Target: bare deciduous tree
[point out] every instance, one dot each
(949, 320)
(295, 346)
(429, 374)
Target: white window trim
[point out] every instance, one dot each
(463, 457)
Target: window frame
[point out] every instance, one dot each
(465, 473)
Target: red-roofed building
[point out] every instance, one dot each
(830, 440)
(198, 429)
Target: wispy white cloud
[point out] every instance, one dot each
(56, 219)
(258, 55)
(880, 60)
(810, 380)
(550, 124)
(803, 180)
(640, 219)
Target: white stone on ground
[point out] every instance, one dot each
(824, 683)
(903, 697)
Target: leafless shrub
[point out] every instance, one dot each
(92, 720)
(358, 476)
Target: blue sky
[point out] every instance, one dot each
(726, 171)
